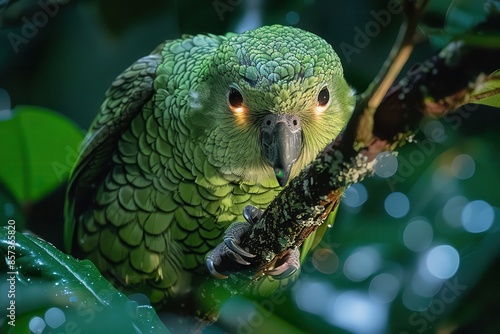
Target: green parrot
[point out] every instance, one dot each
(186, 139)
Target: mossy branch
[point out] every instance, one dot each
(306, 202)
(385, 115)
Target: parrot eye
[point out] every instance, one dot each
(323, 97)
(234, 98)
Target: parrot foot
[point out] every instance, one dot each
(232, 240)
(284, 267)
(230, 247)
(287, 265)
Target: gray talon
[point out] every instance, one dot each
(211, 268)
(290, 263)
(281, 273)
(232, 245)
(230, 248)
(236, 257)
(252, 214)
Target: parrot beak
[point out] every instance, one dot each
(281, 143)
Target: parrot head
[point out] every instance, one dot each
(270, 100)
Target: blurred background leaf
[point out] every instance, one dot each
(53, 291)
(42, 148)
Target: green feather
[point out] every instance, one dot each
(167, 165)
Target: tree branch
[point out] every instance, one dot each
(306, 202)
(383, 118)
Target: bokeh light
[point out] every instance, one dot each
(325, 260)
(355, 196)
(477, 216)
(417, 235)
(386, 165)
(252, 17)
(4, 99)
(358, 313)
(434, 131)
(292, 17)
(139, 298)
(36, 325)
(397, 204)
(8, 209)
(384, 287)
(362, 263)
(443, 261)
(313, 296)
(452, 211)
(54, 317)
(463, 166)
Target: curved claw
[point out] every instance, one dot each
(211, 268)
(289, 264)
(282, 271)
(232, 245)
(252, 214)
(237, 258)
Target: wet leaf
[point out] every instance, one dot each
(55, 290)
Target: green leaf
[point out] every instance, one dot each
(464, 15)
(453, 16)
(38, 149)
(488, 92)
(61, 294)
(446, 20)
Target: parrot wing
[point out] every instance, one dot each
(124, 100)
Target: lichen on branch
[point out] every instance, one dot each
(383, 118)
(306, 202)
